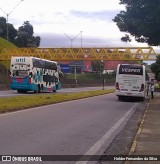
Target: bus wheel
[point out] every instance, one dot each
(54, 90)
(19, 91)
(120, 98)
(42, 87)
(57, 87)
(23, 91)
(39, 88)
(142, 99)
(35, 91)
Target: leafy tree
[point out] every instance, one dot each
(3, 27)
(12, 32)
(25, 36)
(97, 66)
(155, 67)
(141, 19)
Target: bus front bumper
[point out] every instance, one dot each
(129, 94)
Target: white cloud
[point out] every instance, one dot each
(52, 18)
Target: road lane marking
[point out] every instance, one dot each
(101, 141)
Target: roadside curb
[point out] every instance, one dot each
(134, 144)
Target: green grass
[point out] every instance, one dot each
(5, 44)
(23, 102)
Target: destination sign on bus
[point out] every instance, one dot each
(128, 69)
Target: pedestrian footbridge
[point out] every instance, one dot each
(73, 54)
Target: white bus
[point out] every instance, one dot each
(131, 80)
(34, 74)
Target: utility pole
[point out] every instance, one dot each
(7, 15)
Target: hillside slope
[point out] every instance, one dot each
(5, 44)
(4, 65)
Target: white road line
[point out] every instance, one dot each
(101, 141)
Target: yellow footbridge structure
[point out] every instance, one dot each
(73, 54)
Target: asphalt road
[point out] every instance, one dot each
(10, 93)
(80, 127)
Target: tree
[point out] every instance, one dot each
(12, 32)
(3, 27)
(155, 67)
(98, 67)
(141, 20)
(25, 36)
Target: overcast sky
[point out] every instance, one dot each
(66, 23)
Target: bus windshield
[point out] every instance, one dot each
(20, 73)
(131, 69)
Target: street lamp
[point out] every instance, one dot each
(7, 15)
(72, 39)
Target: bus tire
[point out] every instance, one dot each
(57, 87)
(39, 88)
(120, 98)
(42, 87)
(23, 91)
(19, 91)
(142, 99)
(35, 91)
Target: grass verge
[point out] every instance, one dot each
(23, 102)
